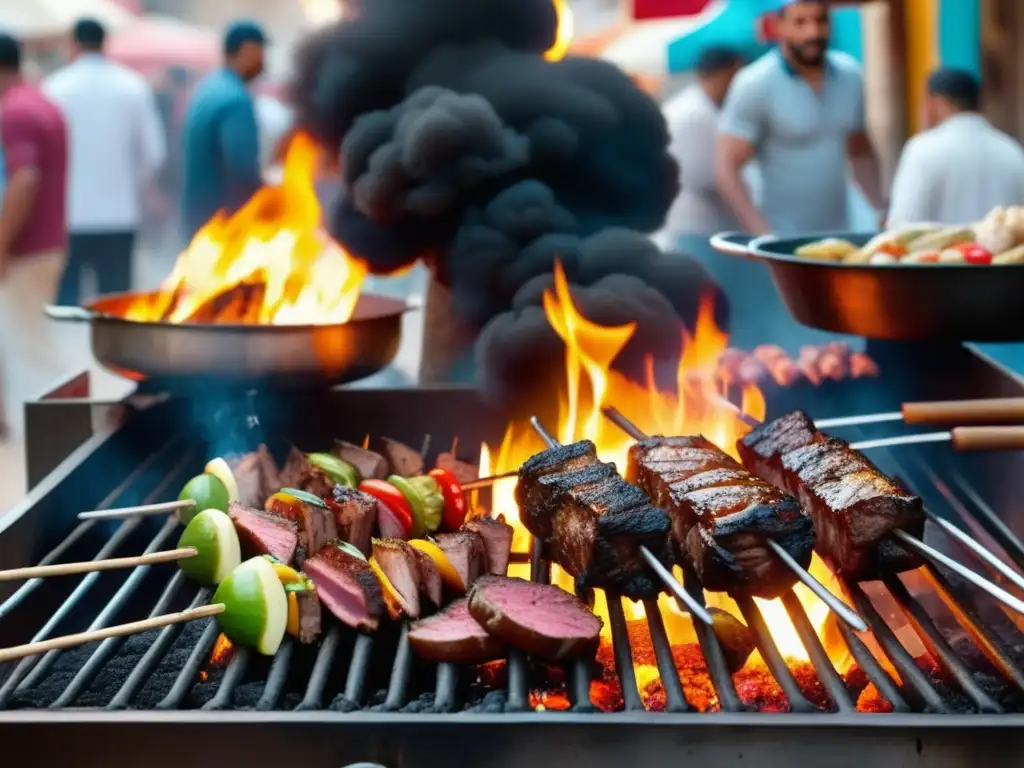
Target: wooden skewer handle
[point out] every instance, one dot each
(998, 410)
(144, 509)
(113, 564)
(988, 438)
(71, 641)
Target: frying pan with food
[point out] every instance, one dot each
(897, 302)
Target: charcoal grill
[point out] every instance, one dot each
(354, 699)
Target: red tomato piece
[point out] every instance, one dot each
(455, 506)
(977, 254)
(392, 498)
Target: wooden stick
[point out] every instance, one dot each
(71, 641)
(145, 509)
(112, 564)
(484, 482)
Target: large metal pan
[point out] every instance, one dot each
(924, 302)
(182, 356)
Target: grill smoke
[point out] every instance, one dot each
(460, 144)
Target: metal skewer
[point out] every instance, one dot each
(995, 410)
(837, 606)
(696, 609)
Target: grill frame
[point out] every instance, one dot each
(388, 737)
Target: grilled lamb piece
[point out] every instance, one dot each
(315, 523)
(399, 562)
(466, 552)
(355, 513)
(347, 587)
(721, 514)
(310, 627)
(538, 619)
(263, 534)
(454, 636)
(404, 461)
(430, 578)
(854, 506)
(369, 464)
(298, 473)
(592, 522)
(464, 471)
(257, 476)
(497, 537)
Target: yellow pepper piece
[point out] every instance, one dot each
(444, 566)
(391, 597)
(293, 614)
(286, 573)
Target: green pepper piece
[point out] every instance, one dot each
(433, 500)
(341, 472)
(416, 503)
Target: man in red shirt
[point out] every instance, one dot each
(33, 238)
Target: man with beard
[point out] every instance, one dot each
(799, 111)
(222, 143)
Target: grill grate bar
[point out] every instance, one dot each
(518, 683)
(314, 696)
(675, 699)
(447, 682)
(277, 677)
(827, 673)
(400, 672)
(233, 675)
(937, 644)
(711, 649)
(110, 646)
(187, 677)
(992, 523)
(359, 668)
(771, 656)
(894, 650)
(154, 654)
(875, 672)
(25, 665)
(623, 655)
(108, 614)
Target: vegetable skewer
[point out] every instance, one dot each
(89, 566)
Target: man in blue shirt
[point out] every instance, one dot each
(221, 137)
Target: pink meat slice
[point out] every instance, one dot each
(454, 636)
(347, 587)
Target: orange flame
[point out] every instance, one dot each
(269, 263)
(564, 32)
(697, 406)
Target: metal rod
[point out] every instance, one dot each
(518, 684)
(695, 608)
(875, 672)
(712, 651)
(623, 655)
(983, 553)
(857, 421)
(187, 676)
(836, 605)
(894, 442)
(827, 673)
(486, 482)
(233, 675)
(359, 669)
(400, 671)
(277, 677)
(314, 696)
(675, 698)
(445, 687)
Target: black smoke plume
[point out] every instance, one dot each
(461, 145)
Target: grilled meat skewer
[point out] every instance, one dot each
(854, 506)
(722, 515)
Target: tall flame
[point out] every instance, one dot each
(269, 263)
(564, 32)
(697, 406)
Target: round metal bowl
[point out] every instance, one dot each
(179, 355)
(897, 302)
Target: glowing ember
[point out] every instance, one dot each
(270, 263)
(222, 653)
(695, 407)
(563, 37)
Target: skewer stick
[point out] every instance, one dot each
(485, 482)
(993, 410)
(932, 554)
(837, 606)
(120, 630)
(144, 509)
(112, 564)
(696, 609)
(984, 554)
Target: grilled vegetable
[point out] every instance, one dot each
(219, 468)
(947, 237)
(455, 507)
(213, 534)
(976, 254)
(255, 606)
(207, 491)
(341, 472)
(449, 575)
(295, 584)
(392, 598)
(394, 502)
(429, 492)
(829, 249)
(417, 503)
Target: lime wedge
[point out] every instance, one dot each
(255, 606)
(207, 491)
(213, 534)
(220, 469)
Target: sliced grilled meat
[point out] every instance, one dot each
(399, 562)
(347, 587)
(263, 534)
(369, 464)
(497, 537)
(539, 619)
(592, 522)
(454, 636)
(355, 513)
(466, 552)
(315, 523)
(722, 514)
(256, 474)
(854, 506)
(430, 578)
(404, 461)
(308, 604)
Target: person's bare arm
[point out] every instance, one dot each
(731, 155)
(867, 172)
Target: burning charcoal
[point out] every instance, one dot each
(404, 461)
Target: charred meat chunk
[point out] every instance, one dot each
(355, 514)
(399, 562)
(591, 521)
(315, 523)
(454, 636)
(854, 506)
(347, 586)
(722, 515)
(464, 471)
(263, 534)
(497, 537)
(256, 475)
(308, 605)
(466, 552)
(369, 464)
(404, 461)
(431, 583)
(298, 473)
(539, 619)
